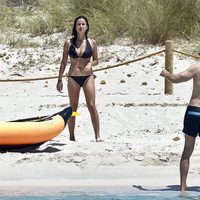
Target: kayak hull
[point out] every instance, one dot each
(32, 132)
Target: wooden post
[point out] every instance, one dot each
(169, 65)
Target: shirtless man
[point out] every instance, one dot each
(192, 117)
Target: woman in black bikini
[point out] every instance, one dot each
(80, 49)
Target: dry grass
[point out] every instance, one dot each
(146, 21)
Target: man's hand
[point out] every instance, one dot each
(164, 73)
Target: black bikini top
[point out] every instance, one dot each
(86, 54)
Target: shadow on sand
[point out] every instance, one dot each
(168, 188)
(38, 148)
(50, 148)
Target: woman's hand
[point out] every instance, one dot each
(88, 67)
(59, 86)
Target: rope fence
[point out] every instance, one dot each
(169, 50)
(95, 70)
(131, 61)
(187, 54)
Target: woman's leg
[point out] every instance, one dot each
(89, 91)
(73, 92)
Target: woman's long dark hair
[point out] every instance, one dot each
(74, 32)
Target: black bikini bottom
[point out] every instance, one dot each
(80, 79)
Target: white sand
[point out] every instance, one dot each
(138, 125)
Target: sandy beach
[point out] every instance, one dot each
(140, 125)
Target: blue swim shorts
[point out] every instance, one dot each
(192, 121)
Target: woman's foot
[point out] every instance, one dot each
(99, 140)
(72, 138)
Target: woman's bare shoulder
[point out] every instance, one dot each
(68, 42)
(92, 42)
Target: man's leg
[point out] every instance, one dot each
(185, 161)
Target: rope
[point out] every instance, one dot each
(95, 70)
(130, 61)
(28, 79)
(187, 54)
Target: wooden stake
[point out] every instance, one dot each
(169, 65)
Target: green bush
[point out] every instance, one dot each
(7, 17)
(38, 25)
(159, 20)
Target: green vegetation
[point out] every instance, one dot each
(144, 21)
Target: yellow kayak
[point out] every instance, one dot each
(32, 132)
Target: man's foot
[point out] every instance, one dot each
(184, 194)
(183, 189)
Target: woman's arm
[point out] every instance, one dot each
(62, 66)
(63, 61)
(95, 58)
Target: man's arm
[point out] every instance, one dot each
(180, 77)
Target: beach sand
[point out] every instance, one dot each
(140, 125)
